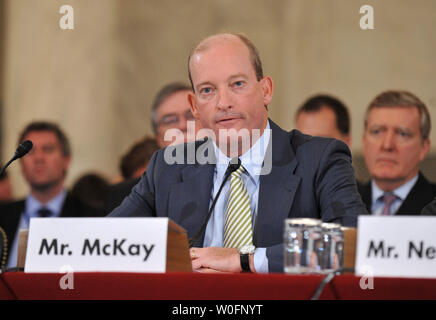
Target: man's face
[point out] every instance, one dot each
(45, 166)
(321, 123)
(173, 113)
(392, 144)
(227, 93)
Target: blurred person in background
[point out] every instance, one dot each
(135, 161)
(91, 189)
(324, 116)
(44, 169)
(395, 141)
(170, 113)
(132, 166)
(171, 110)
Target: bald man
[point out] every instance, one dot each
(277, 175)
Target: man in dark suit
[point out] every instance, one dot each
(281, 175)
(395, 141)
(44, 169)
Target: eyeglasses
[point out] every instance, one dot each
(174, 118)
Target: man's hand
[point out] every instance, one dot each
(218, 259)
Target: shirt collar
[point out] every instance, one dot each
(54, 205)
(252, 160)
(401, 192)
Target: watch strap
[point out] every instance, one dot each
(245, 262)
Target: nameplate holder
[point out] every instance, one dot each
(396, 246)
(59, 245)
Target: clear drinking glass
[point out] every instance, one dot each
(332, 247)
(302, 245)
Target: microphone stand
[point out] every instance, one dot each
(7, 165)
(230, 169)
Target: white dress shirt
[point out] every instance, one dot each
(400, 193)
(31, 208)
(252, 161)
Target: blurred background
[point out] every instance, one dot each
(98, 80)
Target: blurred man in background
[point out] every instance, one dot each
(324, 116)
(44, 168)
(135, 161)
(171, 110)
(395, 141)
(132, 166)
(170, 113)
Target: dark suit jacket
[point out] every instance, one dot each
(116, 193)
(10, 214)
(421, 194)
(310, 177)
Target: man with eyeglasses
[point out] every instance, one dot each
(396, 140)
(171, 111)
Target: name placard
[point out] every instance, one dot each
(97, 244)
(396, 246)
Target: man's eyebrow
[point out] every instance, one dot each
(239, 75)
(203, 84)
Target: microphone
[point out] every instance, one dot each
(234, 165)
(22, 149)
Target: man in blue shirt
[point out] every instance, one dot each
(44, 168)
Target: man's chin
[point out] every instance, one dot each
(388, 178)
(43, 186)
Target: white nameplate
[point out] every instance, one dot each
(97, 244)
(396, 246)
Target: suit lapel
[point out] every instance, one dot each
(366, 195)
(188, 202)
(277, 189)
(420, 195)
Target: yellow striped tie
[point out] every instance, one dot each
(238, 227)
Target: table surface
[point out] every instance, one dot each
(196, 286)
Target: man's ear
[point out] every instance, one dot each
(267, 86)
(193, 104)
(425, 149)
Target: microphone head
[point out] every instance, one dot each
(23, 148)
(234, 165)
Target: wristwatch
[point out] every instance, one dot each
(244, 254)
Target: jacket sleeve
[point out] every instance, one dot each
(336, 186)
(141, 200)
(335, 191)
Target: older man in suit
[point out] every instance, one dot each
(281, 175)
(395, 141)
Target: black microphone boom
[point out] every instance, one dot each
(22, 149)
(234, 165)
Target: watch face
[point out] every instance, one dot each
(248, 249)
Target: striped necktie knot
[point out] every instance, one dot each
(238, 173)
